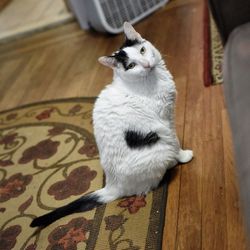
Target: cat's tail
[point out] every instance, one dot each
(85, 203)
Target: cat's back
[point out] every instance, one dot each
(110, 102)
(110, 119)
(109, 113)
(119, 106)
(115, 111)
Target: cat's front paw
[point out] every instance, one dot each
(185, 156)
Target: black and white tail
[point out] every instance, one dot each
(82, 204)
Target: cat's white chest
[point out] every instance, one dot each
(165, 99)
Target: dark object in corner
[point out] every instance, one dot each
(236, 85)
(229, 14)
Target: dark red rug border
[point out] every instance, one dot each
(207, 77)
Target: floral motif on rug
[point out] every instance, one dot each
(48, 158)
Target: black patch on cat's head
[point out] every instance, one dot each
(121, 57)
(129, 43)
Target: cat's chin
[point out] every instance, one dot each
(151, 69)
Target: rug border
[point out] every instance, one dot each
(153, 230)
(66, 99)
(163, 214)
(207, 77)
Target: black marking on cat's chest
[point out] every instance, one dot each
(136, 139)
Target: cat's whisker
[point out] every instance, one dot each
(165, 55)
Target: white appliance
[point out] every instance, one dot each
(109, 15)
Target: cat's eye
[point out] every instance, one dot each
(131, 65)
(143, 50)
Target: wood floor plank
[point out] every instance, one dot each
(214, 220)
(43, 76)
(19, 88)
(9, 72)
(214, 227)
(189, 217)
(176, 26)
(63, 34)
(213, 104)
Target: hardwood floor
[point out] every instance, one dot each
(203, 208)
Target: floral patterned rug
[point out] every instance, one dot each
(213, 51)
(48, 158)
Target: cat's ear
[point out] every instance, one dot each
(131, 33)
(108, 61)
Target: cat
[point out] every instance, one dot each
(133, 119)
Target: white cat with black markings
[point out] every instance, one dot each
(133, 126)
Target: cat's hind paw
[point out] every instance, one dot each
(185, 156)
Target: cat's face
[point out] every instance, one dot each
(136, 58)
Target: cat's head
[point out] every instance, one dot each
(137, 57)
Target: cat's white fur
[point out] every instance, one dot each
(140, 99)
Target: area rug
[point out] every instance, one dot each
(213, 51)
(48, 157)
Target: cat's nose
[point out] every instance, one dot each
(146, 64)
